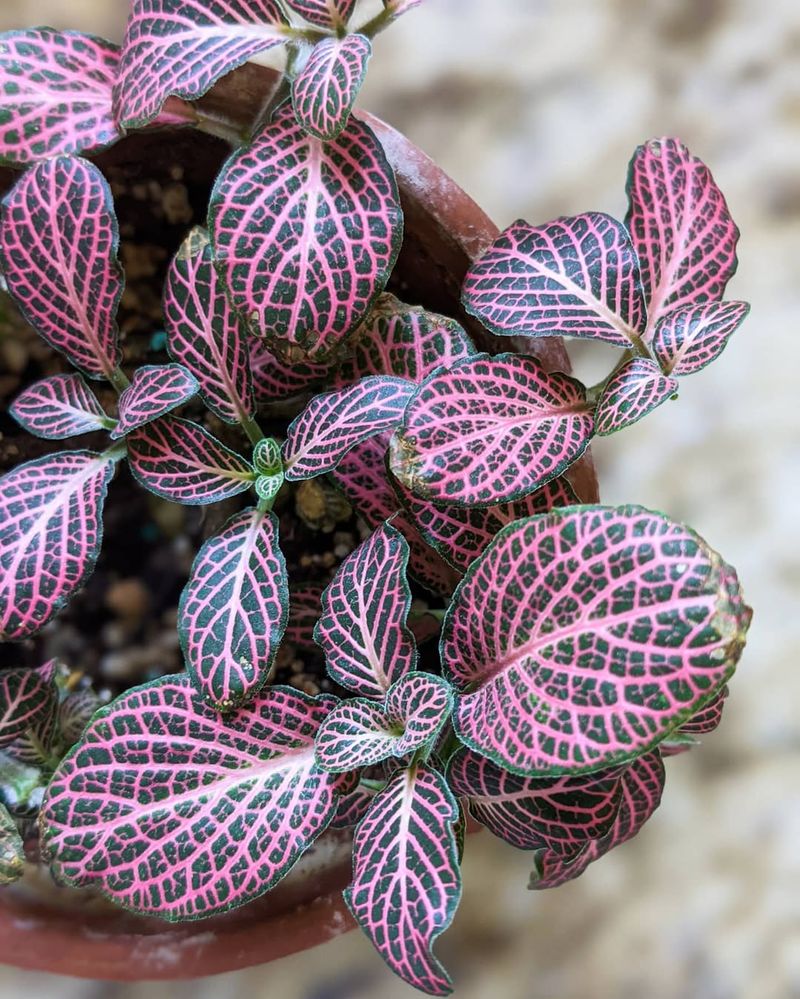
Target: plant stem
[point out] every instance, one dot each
(118, 379)
(251, 428)
(377, 24)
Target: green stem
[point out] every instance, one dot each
(118, 379)
(116, 452)
(251, 428)
(377, 24)
(372, 785)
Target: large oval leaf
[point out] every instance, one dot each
(306, 234)
(55, 94)
(490, 430)
(234, 608)
(58, 252)
(634, 390)
(324, 13)
(325, 90)
(686, 340)
(406, 878)
(26, 697)
(59, 407)
(156, 389)
(51, 527)
(583, 637)
(167, 809)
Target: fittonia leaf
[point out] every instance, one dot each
(324, 13)
(156, 389)
(59, 407)
(325, 90)
(399, 7)
(50, 532)
(685, 340)
(681, 228)
(122, 812)
(275, 380)
(490, 430)
(571, 277)
(26, 697)
(234, 608)
(361, 732)
(180, 461)
(58, 252)
(634, 390)
(305, 234)
(352, 808)
(12, 852)
(362, 629)
(406, 878)
(559, 680)
(305, 607)
(55, 94)
(705, 721)
(182, 47)
(75, 712)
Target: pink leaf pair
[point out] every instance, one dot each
(26, 698)
(325, 90)
(59, 407)
(156, 389)
(634, 390)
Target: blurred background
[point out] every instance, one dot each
(534, 107)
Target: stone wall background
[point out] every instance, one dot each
(535, 106)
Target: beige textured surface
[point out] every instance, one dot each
(535, 106)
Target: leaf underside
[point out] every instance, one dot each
(633, 391)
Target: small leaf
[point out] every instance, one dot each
(360, 732)
(275, 380)
(306, 234)
(12, 852)
(333, 423)
(51, 528)
(26, 697)
(686, 340)
(55, 94)
(490, 430)
(565, 679)
(168, 810)
(267, 457)
(233, 610)
(633, 391)
(325, 90)
(399, 7)
(59, 407)
(324, 13)
(182, 47)
(681, 228)
(406, 879)
(156, 389)
(75, 712)
(204, 333)
(571, 277)
(362, 629)
(180, 461)
(58, 252)
(305, 608)
(705, 721)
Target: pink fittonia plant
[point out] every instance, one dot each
(578, 645)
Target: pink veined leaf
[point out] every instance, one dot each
(205, 334)
(324, 13)
(274, 380)
(168, 809)
(490, 430)
(26, 697)
(306, 234)
(233, 610)
(575, 277)
(55, 94)
(51, 528)
(686, 340)
(352, 808)
(361, 732)
(400, 7)
(633, 391)
(581, 638)
(180, 461)
(681, 227)
(41, 743)
(333, 423)
(560, 814)
(58, 253)
(705, 721)
(182, 47)
(58, 407)
(305, 608)
(642, 786)
(362, 629)
(156, 389)
(325, 90)
(75, 712)
(12, 850)
(406, 877)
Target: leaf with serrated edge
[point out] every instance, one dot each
(333, 423)
(12, 852)
(634, 390)
(167, 809)
(324, 13)
(529, 813)
(182, 47)
(26, 697)
(55, 94)
(275, 380)
(59, 407)
(205, 334)
(490, 430)
(361, 732)
(305, 607)
(681, 228)
(582, 637)
(233, 610)
(362, 629)
(575, 277)
(406, 878)
(306, 234)
(686, 340)
(180, 461)
(156, 389)
(325, 90)
(58, 253)
(51, 528)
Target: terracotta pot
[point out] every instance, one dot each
(55, 929)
